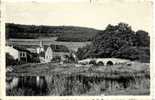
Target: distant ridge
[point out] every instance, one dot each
(64, 33)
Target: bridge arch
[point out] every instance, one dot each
(100, 63)
(109, 62)
(105, 61)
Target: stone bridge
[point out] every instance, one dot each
(103, 61)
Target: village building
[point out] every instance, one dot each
(32, 50)
(48, 55)
(20, 54)
(45, 53)
(23, 54)
(40, 48)
(17, 53)
(12, 51)
(48, 52)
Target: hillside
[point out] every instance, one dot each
(64, 33)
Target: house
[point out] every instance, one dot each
(45, 53)
(32, 50)
(40, 48)
(48, 55)
(12, 51)
(24, 55)
(48, 52)
(17, 53)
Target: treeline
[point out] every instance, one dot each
(118, 41)
(64, 33)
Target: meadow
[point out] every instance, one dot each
(73, 79)
(46, 41)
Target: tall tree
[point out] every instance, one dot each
(117, 41)
(143, 39)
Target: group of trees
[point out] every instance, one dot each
(59, 48)
(118, 41)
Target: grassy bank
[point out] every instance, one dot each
(67, 79)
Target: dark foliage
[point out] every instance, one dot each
(56, 59)
(34, 58)
(59, 48)
(92, 62)
(118, 41)
(84, 52)
(142, 38)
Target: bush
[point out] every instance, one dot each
(56, 59)
(92, 62)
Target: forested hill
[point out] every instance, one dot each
(64, 33)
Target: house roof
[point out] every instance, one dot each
(42, 54)
(57, 48)
(19, 48)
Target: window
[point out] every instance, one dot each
(23, 54)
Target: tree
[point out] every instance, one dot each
(143, 39)
(83, 52)
(112, 39)
(117, 41)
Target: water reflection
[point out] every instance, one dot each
(35, 84)
(62, 85)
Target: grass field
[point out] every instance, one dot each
(47, 41)
(72, 79)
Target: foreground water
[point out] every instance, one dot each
(61, 85)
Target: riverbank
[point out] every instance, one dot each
(68, 79)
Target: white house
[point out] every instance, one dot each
(45, 53)
(48, 54)
(18, 53)
(12, 51)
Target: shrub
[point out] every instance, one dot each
(92, 62)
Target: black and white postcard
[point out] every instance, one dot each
(92, 49)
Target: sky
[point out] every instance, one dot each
(95, 15)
